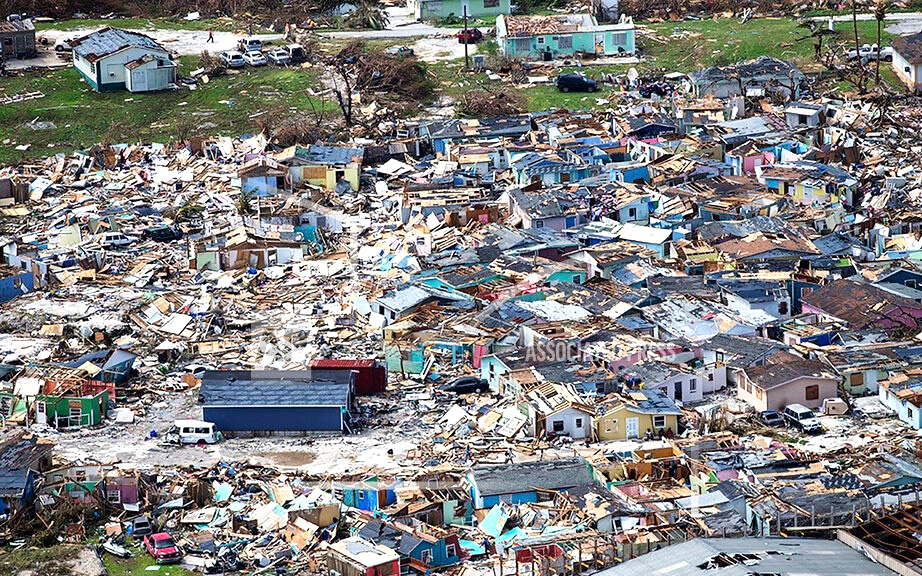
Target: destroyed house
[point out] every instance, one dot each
(441, 133)
(553, 209)
(114, 59)
(288, 401)
(562, 36)
(262, 176)
(244, 247)
(356, 556)
(370, 494)
(329, 167)
(525, 481)
(109, 365)
(17, 40)
(60, 396)
(398, 303)
(23, 457)
(551, 169)
(901, 392)
(810, 183)
(864, 306)
(15, 282)
(756, 77)
(422, 548)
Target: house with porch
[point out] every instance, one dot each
(630, 416)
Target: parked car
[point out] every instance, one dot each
(871, 52)
(254, 58)
(162, 233)
(771, 418)
(63, 44)
(279, 57)
(466, 385)
(142, 526)
(296, 53)
(192, 432)
(576, 83)
(162, 547)
(470, 36)
(116, 240)
(399, 51)
(233, 59)
(250, 45)
(804, 419)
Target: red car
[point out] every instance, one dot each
(469, 36)
(162, 548)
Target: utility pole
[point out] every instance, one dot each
(467, 36)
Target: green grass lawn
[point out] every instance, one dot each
(228, 105)
(138, 566)
(686, 46)
(682, 46)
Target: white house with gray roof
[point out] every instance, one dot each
(114, 59)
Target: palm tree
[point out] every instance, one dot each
(861, 69)
(880, 12)
(245, 204)
(189, 211)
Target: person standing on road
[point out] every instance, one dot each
(210, 36)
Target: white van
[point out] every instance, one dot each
(192, 432)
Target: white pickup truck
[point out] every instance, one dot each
(871, 52)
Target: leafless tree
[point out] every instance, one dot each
(880, 12)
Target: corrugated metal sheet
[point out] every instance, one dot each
(108, 40)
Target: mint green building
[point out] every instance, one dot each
(552, 37)
(438, 9)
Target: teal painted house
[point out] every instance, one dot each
(113, 59)
(438, 9)
(562, 36)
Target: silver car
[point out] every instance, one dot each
(233, 59)
(279, 57)
(255, 58)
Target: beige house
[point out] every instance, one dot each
(787, 378)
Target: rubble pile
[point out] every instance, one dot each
(533, 343)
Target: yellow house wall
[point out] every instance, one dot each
(613, 425)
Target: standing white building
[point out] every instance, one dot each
(114, 59)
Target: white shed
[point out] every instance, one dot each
(149, 73)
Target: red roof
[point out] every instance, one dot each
(342, 363)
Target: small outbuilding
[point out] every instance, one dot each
(17, 40)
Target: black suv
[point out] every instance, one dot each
(162, 233)
(576, 83)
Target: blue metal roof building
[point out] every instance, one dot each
(285, 401)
